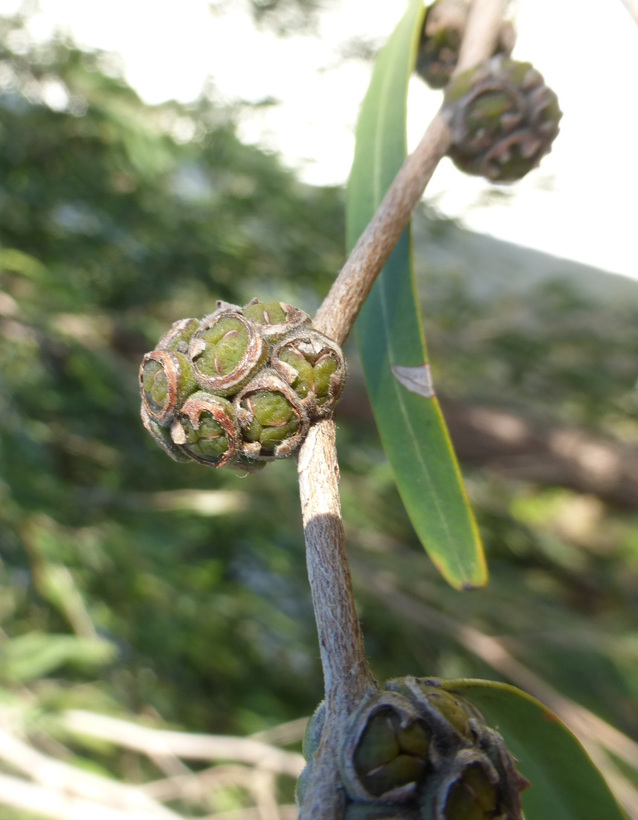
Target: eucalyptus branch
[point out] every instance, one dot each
(347, 676)
(337, 314)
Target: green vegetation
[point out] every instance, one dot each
(176, 595)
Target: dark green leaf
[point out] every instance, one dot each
(391, 336)
(565, 783)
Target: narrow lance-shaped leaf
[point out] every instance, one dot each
(565, 784)
(391, 338)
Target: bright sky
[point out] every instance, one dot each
(582, 203)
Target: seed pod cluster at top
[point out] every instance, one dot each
(441, 37)
(414, 751)
(503, 119)
(240, 387)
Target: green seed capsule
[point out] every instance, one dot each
(233, 354)
(179, 336)
(467, 787)
(443, 30)
(166, 380)
(387, 752)
(226, 351)
(314, 367)
(325, 367)
(272, 419)
(275, 319)
(472, 797)
(207, 441)
(155, 384)
(225, 345)
(451, 709)
(503, 119)
(206, 430)
(379, 743)
(265, 313)
(163, 437)
(304, 380)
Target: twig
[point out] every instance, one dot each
(53, 803)
(184, 745)
(483, 29)
(346, 672)
(283, 734)
(263, 787)
(73, 784)
(340, 308)
(347, 676)
(197, 786)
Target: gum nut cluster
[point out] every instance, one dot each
(240, 387)
(415, 751)
(440, 43)
(503, 119)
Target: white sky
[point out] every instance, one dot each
(582, 203)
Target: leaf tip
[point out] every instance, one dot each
(464, 581)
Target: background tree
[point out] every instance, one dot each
(140, 589)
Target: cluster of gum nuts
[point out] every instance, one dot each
(416, 750)
(241, 386)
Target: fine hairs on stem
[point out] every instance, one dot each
(347, 676)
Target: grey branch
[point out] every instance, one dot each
(347, 676)
(340, 308)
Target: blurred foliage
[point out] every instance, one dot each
(287, 17)
(135, 586)
(112, 225)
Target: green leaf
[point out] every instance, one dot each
(390, 332)
(565, 783)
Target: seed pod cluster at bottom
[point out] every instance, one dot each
(240, 387)
(414, 751)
